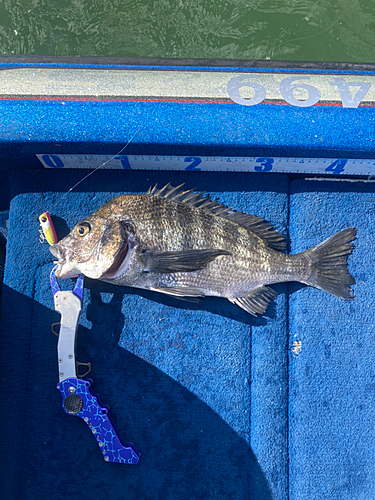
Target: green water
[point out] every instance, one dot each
(325, 30)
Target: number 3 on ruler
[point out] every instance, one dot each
(124, 162)
(195, 162)
(265, 164)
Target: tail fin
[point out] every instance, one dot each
(328, 262)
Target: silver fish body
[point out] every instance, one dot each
(186, 245)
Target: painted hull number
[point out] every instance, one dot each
(351, 93)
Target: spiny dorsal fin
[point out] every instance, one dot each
(261, 228)
(257, 225)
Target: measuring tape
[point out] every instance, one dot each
(291, 165)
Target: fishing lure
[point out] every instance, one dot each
(78, 397)
(48, 231)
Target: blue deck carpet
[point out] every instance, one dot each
(332, 411)
(221, 405)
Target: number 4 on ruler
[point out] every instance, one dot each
(337, 166)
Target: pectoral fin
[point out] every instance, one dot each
(185, 293)
(182, 261)
(257, 301)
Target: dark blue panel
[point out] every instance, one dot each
(200, 389)
(332, 409)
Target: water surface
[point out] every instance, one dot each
(224, 29)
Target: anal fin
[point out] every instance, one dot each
(256, 301)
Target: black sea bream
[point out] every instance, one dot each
(183, 244)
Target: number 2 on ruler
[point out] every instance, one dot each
(195, 161)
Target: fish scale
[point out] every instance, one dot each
(184, 244)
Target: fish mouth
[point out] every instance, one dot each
(58, 252)
(120, 258)
(65, 268)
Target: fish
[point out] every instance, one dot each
(186, 245)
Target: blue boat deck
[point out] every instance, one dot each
(220, 404)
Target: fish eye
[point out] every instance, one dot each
(83, 229)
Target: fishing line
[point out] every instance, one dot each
(244, 66)
(100, 166)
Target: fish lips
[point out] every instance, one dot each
(57, 251)
(65, 268)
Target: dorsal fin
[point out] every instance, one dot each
(257, 225)
(261, 228)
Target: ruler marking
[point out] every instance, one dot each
(324, 166)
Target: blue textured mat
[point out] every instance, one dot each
(200, 389)
(332, 411)
(221, 405)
